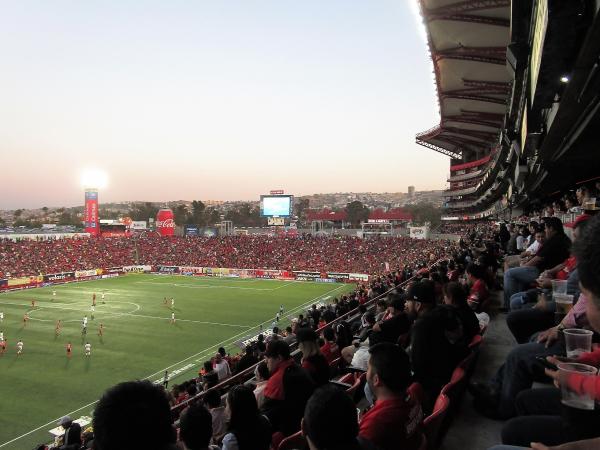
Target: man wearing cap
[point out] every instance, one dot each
(287, 391)
(436, 340)
(72, 436)
(391, 329)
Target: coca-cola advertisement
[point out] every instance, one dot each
(91, 219)
(165, 224)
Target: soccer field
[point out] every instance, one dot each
(139, 341)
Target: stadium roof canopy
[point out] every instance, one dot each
(467, 41)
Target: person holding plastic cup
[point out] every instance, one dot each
(577, 378)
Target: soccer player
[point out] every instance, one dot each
(94, 299)
(166, 379)
(103, 296)
(101, 330)
(172, 317)
(19, 347)
(57, 327)
(165, 301)
(33, 303)
(25, 319)
(1, 336)
(92, 310)
(1, 316)
(2, 347)
(172, 303)
(53, 294)
(88, 349)
(280, 309)
(84, 325)
(277, 317)
(69, 350)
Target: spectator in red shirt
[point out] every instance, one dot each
(330, 349)
(287, 391)
(395, 420)
(478, 293)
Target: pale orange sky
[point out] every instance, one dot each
(176, 100)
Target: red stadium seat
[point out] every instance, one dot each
(292, 442)
(433, 423)
(456, 387)
(359, 379)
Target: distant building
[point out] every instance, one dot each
(411, 191)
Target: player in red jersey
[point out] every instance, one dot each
(2, 347)
(69, 350)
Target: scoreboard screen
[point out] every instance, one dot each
(276, 205)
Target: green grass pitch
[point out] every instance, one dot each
(139, 341)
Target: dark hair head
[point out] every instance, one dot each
(456, 293)
(195, 427)
(248, 349)
(222, 351)
(208, 366)
(133, 405)
(392, 365)
(278, 348)
(329, 334)
(587, 252)
(330, 419)
(475, 270)
(213, 398)
(243, 409)
(263, 370)
(555, 223)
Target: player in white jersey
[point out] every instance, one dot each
(172, 317)
(277, 317)
(281, 309)
(1, 336)
(1, 316)
(172, 303)
(88, 349)
(84, 323)
(19, 347)
(53, 295)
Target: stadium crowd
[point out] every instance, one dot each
(339, 254)
(400, 349)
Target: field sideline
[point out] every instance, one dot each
(139, 341)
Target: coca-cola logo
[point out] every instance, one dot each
(167, 223)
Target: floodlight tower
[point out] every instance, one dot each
(92, 181)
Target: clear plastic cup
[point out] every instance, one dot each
(574, 399)
(564, 303)
(577, 341)
(559, 287)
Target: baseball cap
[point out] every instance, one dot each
(278, 348)
(64, 420)
(422, 291)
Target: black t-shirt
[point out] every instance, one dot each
(391, 329)
(554, 251)
(433, 355)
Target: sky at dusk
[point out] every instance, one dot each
(213, 100)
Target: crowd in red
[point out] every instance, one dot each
(339, 254)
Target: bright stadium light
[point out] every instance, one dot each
(564, 79)
(94, 178)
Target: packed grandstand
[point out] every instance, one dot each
(513, 302)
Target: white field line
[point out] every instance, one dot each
(101, 311)
(223, 343)
(205, 286)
